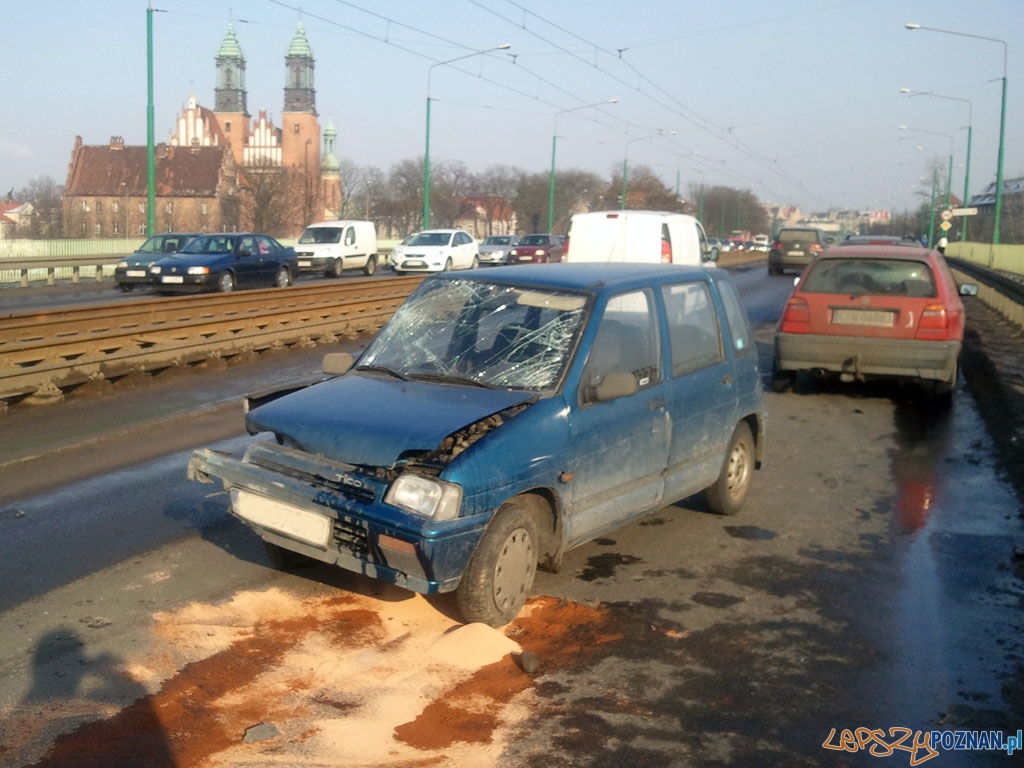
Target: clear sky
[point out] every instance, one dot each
(796, 100)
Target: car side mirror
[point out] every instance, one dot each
(710, 254)
(968, 289)
(336, 363)
(615, 385)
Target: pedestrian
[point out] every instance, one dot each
(943, 242)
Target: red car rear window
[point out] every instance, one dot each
(870, 276)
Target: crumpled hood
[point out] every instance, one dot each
(370, 421)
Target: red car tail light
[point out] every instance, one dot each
(796, 317)
(934, 322)
(815, 248)
(666, 251)
(565, 249)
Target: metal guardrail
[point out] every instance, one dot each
(1002, 291)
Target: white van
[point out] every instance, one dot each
(329, 247)
(637, 237)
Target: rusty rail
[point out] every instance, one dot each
(43, 354)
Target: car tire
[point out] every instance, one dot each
(942, 391)
(226, 283)
(500, 573)
(283, 278)
(337, 268)
(282, 559)
(476, 263)
(730, 490)
(782, 381)
(371, 266)
(399, 272)
(125, 287)
(447, 266)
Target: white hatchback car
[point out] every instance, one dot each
(438, 250)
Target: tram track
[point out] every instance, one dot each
(44, 354)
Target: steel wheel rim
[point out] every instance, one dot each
(513, 568)
(739, 471)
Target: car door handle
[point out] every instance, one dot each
(657, 404)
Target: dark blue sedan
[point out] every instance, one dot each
(225, 261)
(500, 419)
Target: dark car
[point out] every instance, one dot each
(134, 270)
(795, 248)
(225, 261)
(538, 249)
(502, 417)
(871, 311)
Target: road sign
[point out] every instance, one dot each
(965, 211)
(946, 215)
(945, 226)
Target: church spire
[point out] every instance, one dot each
(229, 95)
(299, 94)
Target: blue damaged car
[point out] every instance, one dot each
(501, 418)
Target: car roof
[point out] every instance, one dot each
(878, 252)
(588, 276)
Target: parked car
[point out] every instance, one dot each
(330, 247)
(223, 262)
(497, 248)
(795, 248)
(870, 311)
(538, 249)
(637, 236)
(437, 250)
(501, 418)
(134, 270)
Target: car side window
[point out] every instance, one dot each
(246, 245)
(737, 319)
(694, 334)
(626, 343)
(350, 235)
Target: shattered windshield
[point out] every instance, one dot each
(481, 334)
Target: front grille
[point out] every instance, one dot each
(351, 536)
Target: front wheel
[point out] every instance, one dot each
(125, 287)
(500, 573)
(283, 278)
(730, 490)
(447, 266)
(476, 263)
(337, 268)
(226, 283)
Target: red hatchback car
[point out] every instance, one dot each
(874, 311)
(538, 249)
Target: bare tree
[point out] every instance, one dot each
(47, 221)
(266, 204)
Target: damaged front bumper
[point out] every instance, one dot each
(335, 513)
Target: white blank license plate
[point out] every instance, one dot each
(172, 279)
(873, 317)
(282, 518)
(305, 263)
(135, 272)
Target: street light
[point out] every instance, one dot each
(625, 158)
(1002, 122)
(426, 155)
(970, 130)
(554, 140)
(944, 135)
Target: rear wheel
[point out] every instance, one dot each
(226, 283)
(500, 573)
(782, 381)
(371, 266)
(730, 490)
(283, 278)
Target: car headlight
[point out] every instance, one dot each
(154, 270)
(199, 270)
(122, 264)
(426, 496)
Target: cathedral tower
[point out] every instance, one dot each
(229, 94)
(300, 140)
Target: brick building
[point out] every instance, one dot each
(207, 169)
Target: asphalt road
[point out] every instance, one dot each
(871, 582)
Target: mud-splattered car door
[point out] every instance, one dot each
(619, 422)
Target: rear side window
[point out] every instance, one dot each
(737, 318)
(798, 236)
(871, 276)
(692, 326)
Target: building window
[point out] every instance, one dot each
(85, 207)
(99, 206)
(169, 207)
(142, 229)
(117, 228)
(81, 229)
(99, 228)
(203, 208)
(227, 127)
(117, 206)
(142, 207)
